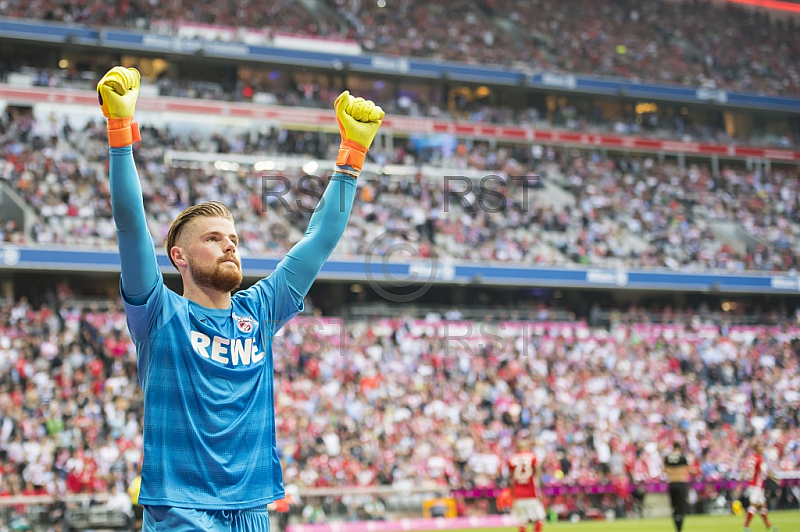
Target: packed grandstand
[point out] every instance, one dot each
(693, 43)
(613, 211)
(421, 405)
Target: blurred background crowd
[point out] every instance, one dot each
(691, 42)
(582, 207)
(432, 401)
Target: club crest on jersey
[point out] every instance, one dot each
(244, 323)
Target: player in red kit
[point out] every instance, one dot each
(756, 474)
(524, 475)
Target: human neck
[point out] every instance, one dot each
(207, 297)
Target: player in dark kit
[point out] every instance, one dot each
(677, 468)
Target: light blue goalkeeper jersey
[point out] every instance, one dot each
(209, 424)
(207, 374)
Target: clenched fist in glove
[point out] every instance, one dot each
(117, 92)
(359, 120)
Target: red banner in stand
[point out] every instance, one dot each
(309, 117)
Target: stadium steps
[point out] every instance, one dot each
(552, 192)
(555, 195)
(518, 34)
(565, 243)
(731, 233)
(741, 240)
(634, 241)
(14, 207)
(325, 14)
(552, 195)
(690, 52)
(486, 15)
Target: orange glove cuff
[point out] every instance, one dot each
(122, 132)
(352, 154)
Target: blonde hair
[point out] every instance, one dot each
(209, 209)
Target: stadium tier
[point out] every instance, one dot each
(72, 55)
(433, 401)
(702, 44)
(574, 207)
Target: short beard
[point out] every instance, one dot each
(214, 277)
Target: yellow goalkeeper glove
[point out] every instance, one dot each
(737, 507)
(359, 120)
(117, 92)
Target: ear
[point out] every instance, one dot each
(179, 256)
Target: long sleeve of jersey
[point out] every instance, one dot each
(137, 255)
(304, 261)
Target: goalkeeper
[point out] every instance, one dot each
(205, 358)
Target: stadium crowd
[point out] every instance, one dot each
(691, 43)
(409, 101)
(613, 211)
(422, 401)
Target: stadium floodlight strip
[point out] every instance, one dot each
(231, 162)
(769, 4)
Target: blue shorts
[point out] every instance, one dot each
(167, 518)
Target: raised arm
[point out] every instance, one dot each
(359, 121)
(117, 93)
(306, 258)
